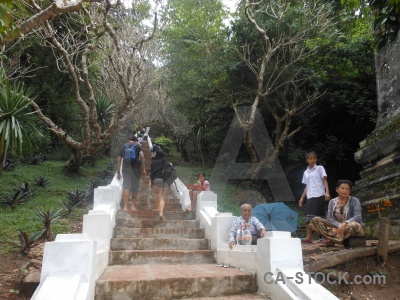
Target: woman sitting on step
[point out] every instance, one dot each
(157, 180)
(201, 185)
(255, 227)
(343, 219)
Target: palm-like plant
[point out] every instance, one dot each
(17, 121)
(105, 110)
(47, 218)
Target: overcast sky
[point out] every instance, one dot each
(231, 4)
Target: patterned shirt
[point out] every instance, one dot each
(253, 223)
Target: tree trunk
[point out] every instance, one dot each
(74, 164)
(2, 162)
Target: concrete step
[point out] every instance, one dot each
(152, 223)
(154, 206)
(173, 282)
(140, 257)
(152, 214)
(186, 233)
(158, 244)
(234, 297)
(151, 199)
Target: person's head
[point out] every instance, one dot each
(343, 188)
(133, 139)
(311, 158)
(246, 211)
(159, 154)
(201, 176)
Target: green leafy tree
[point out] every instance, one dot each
(386, 15)
(104, 49)
(17, 121)
(275, 39)
(196, 60)
(8, 29)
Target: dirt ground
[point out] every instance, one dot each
(367, 268)
(13, 268)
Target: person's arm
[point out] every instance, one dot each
(327, 195)
(232, 233)
(119, 160)
(205, 185)
(259, 226)
(330, 216)
(302, 197)
(355, 206)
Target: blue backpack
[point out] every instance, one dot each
(130, 153)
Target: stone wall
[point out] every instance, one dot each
(379, 152)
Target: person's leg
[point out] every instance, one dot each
(315, 207)
(195, 193)
(191, 200)
(161, 199)
(133, 204)
(135, 188)
(125, 196)
(126, 186)
(308, 232)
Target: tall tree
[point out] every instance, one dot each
(285, 33)
(196, 59)
(114, 43)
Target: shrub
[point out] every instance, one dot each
(14, 198)
(165, 143)
(47, 218)
(41, 181)
(77, 197)
(26, 242)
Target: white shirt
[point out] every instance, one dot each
(313, 179)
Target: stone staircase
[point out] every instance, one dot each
(166, 259)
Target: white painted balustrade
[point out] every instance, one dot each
(73, 262)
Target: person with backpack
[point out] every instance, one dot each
(131, 157)
(154, 149)
(157, 180)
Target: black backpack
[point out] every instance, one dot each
(169, 173)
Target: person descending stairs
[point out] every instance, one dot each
(166, 259)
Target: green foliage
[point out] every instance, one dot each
(195, 51)
(76, 197)
(17, 122)
(68, 206)
(105, 110)
(26, 242)
(26, 188)
(41, 181)
(7, 27)
(387, 21)
(13, 220)
(386, 18)
(14, 198)
(165, 143)
(47, 218)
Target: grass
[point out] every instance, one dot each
(47, 198)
